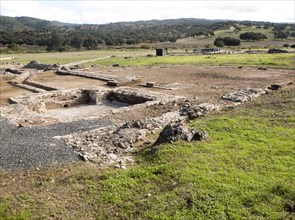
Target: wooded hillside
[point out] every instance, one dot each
(57, 36)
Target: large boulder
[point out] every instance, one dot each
(175, 131)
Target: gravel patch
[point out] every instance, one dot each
(26, 148)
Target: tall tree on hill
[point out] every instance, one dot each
(280, 35)
(90, 43)
(218, 42)
(56, 42)
(226, 41)
(252, 36)
(76, 41)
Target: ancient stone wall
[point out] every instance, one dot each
(39, 85)
(36, 65)
(129, 97)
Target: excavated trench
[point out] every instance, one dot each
(90, 102)
(68, 105)
(92, 97)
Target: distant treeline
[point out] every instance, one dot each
(61, 38)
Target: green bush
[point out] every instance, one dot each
(145, 46)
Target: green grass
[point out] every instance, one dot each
(233, 33)
(252, 60)
(245, 171)
(67, 57)
(139, 58)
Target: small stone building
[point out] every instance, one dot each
(210, 50)
(160, 52)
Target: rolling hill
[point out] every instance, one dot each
(17, 24)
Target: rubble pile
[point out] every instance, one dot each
(40, 66)
(244, 95)
(194, 111)
(112, 144)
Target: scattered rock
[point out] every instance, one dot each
(121, 144)
(65, 68)
(112, 83)
(150, 84)
(14, 71)
(129, 58)
(275, 87)
(244, 95)
(192, 112)
(200, 136)
(112, 156)
(179, 131)
(101, 145)
(36, 65)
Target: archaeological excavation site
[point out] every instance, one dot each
(57, 114)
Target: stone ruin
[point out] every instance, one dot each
(40, 66)
(74, 104)
(244, 95)
(112, 144)
(179, 131)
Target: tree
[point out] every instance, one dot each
(76, 41)
(218, 42)
(172, 39)
(14, 47)
(252, 36)
(237, 28)
(55, 43)
(90, 44)
(110, 41)
(227, 41)
(280, 35)
(130, 41)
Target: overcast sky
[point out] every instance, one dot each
(99, 12)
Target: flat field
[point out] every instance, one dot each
(285, 61)
(66, 57)
(138, 57)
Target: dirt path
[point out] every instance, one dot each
(85, 61)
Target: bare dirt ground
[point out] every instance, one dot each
(203, 83)
(208, 83)
(7, 90)
(197, 83)
(67, 82)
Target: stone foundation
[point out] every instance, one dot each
(74, 104)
